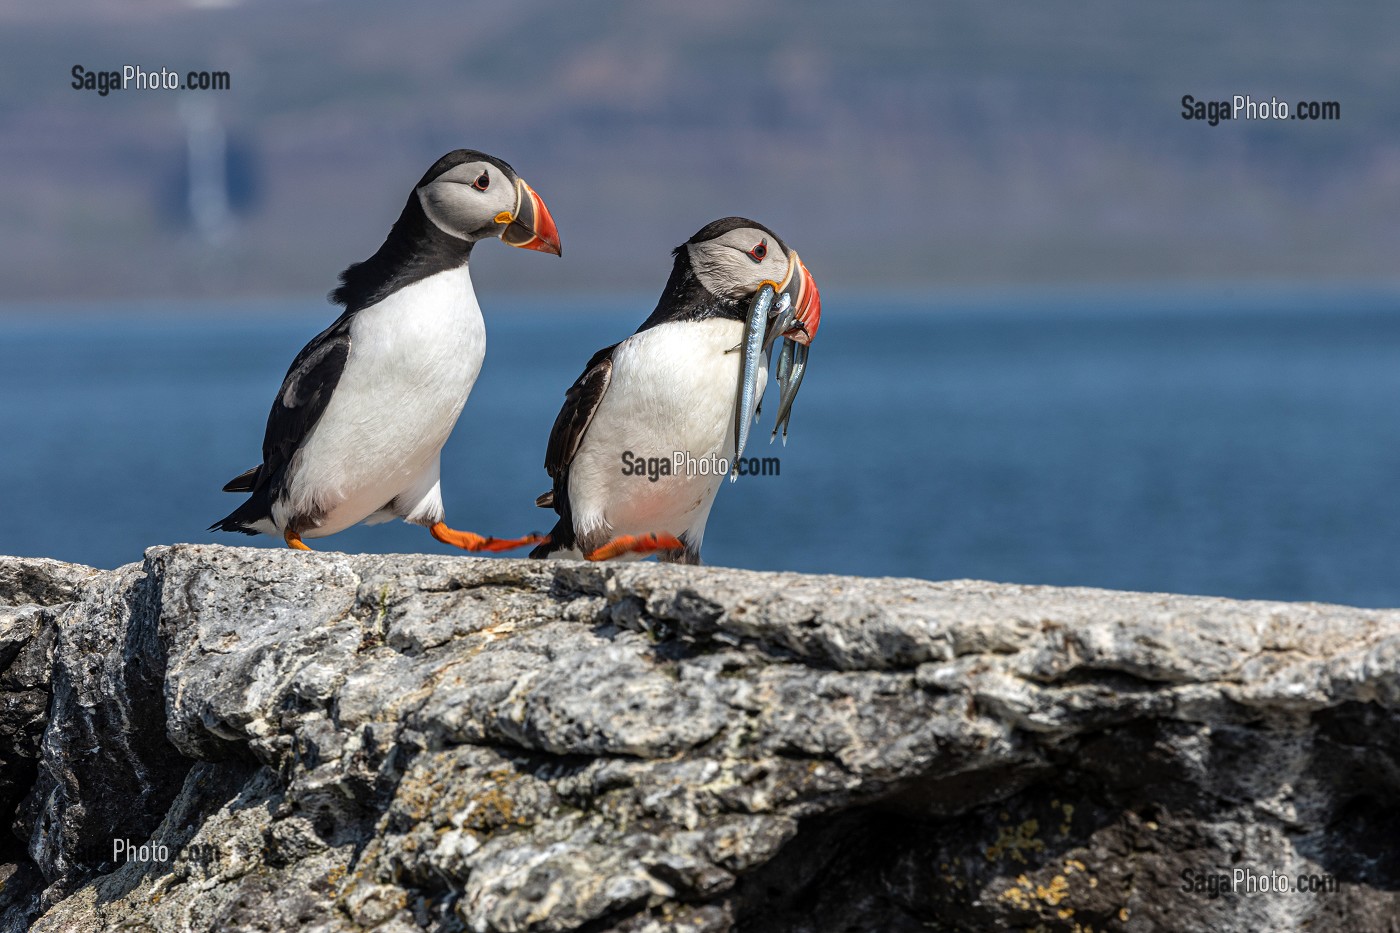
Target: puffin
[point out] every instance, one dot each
(672, 386)
(357, 429)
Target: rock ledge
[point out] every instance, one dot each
(334, 742)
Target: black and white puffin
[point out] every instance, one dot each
(357, 429)
(670, 387)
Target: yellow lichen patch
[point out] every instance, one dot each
(1018, 895)
(1123, 914)
(1073, 865)
(1056, 892)
(334, 876)
(1027, 895)
(416, 799)
(492, 807)
(1016, 842)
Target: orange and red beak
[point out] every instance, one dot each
(530, 226)
(801, 290)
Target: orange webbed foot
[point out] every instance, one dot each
(468, 541)
(636, 544)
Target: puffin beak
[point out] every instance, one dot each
(801, 290)
(529, 226)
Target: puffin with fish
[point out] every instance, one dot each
(689, 381)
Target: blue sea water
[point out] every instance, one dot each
(1240, 443)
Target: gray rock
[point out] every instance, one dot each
(344, 743)
(33, 593)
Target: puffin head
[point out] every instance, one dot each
(473, 196)
(732, 258)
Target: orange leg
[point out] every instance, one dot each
(637, 544)
(471, 542)
(294, 541)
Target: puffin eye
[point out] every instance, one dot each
(758, 253)
(483, 181)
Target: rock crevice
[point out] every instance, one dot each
(346, 743)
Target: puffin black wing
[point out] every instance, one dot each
(580, 404)
(305, 393)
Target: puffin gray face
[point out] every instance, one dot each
(479, 199)
(737, 263)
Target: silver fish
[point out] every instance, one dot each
(781, 320)
(784, 319)
(784, 367)
(754, 331)
(785, 363)
(789, 381)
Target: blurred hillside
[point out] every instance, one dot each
(894, 143)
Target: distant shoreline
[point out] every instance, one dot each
(1079, 297)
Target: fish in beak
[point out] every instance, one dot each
(793, 311)
(799, 314)
(529, 226)
(792, 366)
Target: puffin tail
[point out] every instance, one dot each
(244, 518)
(246, 481)
(232, 522)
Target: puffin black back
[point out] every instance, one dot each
(414, 249)
(685, 297)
